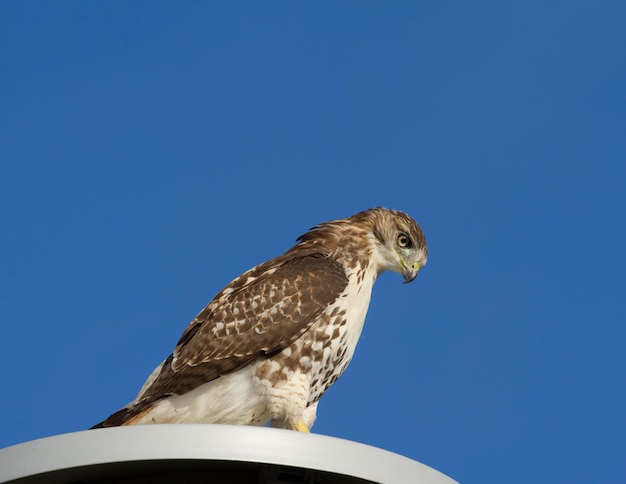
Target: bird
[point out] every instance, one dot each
(268, 346)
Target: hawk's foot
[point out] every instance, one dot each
(301, 427)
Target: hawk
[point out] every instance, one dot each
(268, 345)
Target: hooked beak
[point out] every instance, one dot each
(410, 272)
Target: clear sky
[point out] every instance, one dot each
(152, 151)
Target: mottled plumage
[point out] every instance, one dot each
(269, 345)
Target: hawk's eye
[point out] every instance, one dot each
(404, 241)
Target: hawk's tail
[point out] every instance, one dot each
(129, 415)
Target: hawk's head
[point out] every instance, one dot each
(400, 242)
(386, 239)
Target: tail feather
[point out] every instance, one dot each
(129, 415)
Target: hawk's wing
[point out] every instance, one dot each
(259, 313)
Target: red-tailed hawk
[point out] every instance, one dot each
(268, 346)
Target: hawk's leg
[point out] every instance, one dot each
(288, 399)
(308, 417)
(310, 414)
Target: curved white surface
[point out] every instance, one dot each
(213, 442)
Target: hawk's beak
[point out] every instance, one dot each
(410, 272)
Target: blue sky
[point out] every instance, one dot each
(152, 151)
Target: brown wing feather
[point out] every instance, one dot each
(257, 317)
